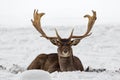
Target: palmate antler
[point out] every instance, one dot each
(90, 25)
(37, 25)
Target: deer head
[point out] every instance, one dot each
(64, 44)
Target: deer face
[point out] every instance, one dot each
(64, 46)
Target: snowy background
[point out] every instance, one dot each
(20, 43)
(19, 46)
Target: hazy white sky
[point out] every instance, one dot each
(58, 12)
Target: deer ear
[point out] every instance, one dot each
(75, 42)
(54, 41)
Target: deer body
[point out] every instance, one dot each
(51, 63)
(64, 60)
(47, 62)
(61, 61)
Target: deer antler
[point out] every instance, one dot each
(36, 23)
(90, 25)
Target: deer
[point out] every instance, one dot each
(63, 60)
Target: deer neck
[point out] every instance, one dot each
(66, 63)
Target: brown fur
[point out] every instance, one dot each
(50, 63)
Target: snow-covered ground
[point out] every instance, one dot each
(19, 46)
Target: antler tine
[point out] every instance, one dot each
(36, 23)
(58, 36)
(71, 34)
(91, 21)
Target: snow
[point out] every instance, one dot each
(35, 75)
(19, 46)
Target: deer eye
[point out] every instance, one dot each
(53, 40)
(59, 43)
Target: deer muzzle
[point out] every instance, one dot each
(64, 52)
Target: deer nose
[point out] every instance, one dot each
(65, 51)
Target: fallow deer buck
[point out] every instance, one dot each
(64, 59)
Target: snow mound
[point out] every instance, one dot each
(2, 67)
(35, 75)
(90, 69)
(16, 69)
